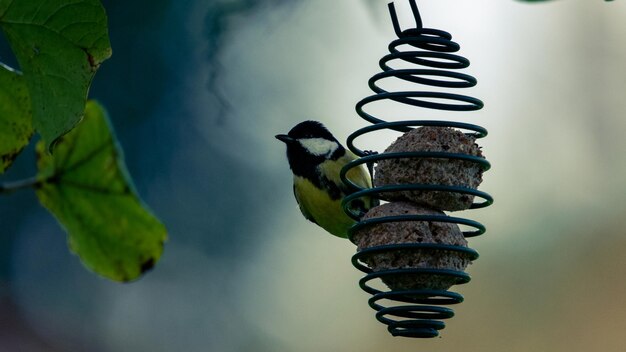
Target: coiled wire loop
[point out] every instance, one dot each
(416, 313)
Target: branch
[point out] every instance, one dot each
(10, 187)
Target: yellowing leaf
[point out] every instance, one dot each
(86, 186)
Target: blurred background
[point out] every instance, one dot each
(197, 90)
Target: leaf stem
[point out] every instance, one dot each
(10, 187)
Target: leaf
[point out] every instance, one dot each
(59, 45)
(15, 116)
(86, 186)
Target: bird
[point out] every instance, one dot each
(316, 158)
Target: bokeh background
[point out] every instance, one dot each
(196, 91)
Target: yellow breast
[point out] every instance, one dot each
(317, 206)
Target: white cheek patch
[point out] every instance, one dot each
(319, 146)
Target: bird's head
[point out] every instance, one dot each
(309, 143)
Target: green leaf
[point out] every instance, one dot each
(15, 116)
(59, 45)
(86, 186)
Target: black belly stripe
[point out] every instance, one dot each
(332, 188)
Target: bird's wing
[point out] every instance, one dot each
(358, 175)
(306, 214)
(361, 177)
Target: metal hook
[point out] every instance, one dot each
(416, 14)
(394, 17)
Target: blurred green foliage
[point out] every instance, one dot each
(15, 116)
(84, 183)
(59, 47)
(86, 186)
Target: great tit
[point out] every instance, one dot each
(316, 157)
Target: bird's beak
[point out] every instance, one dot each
(284, 138)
